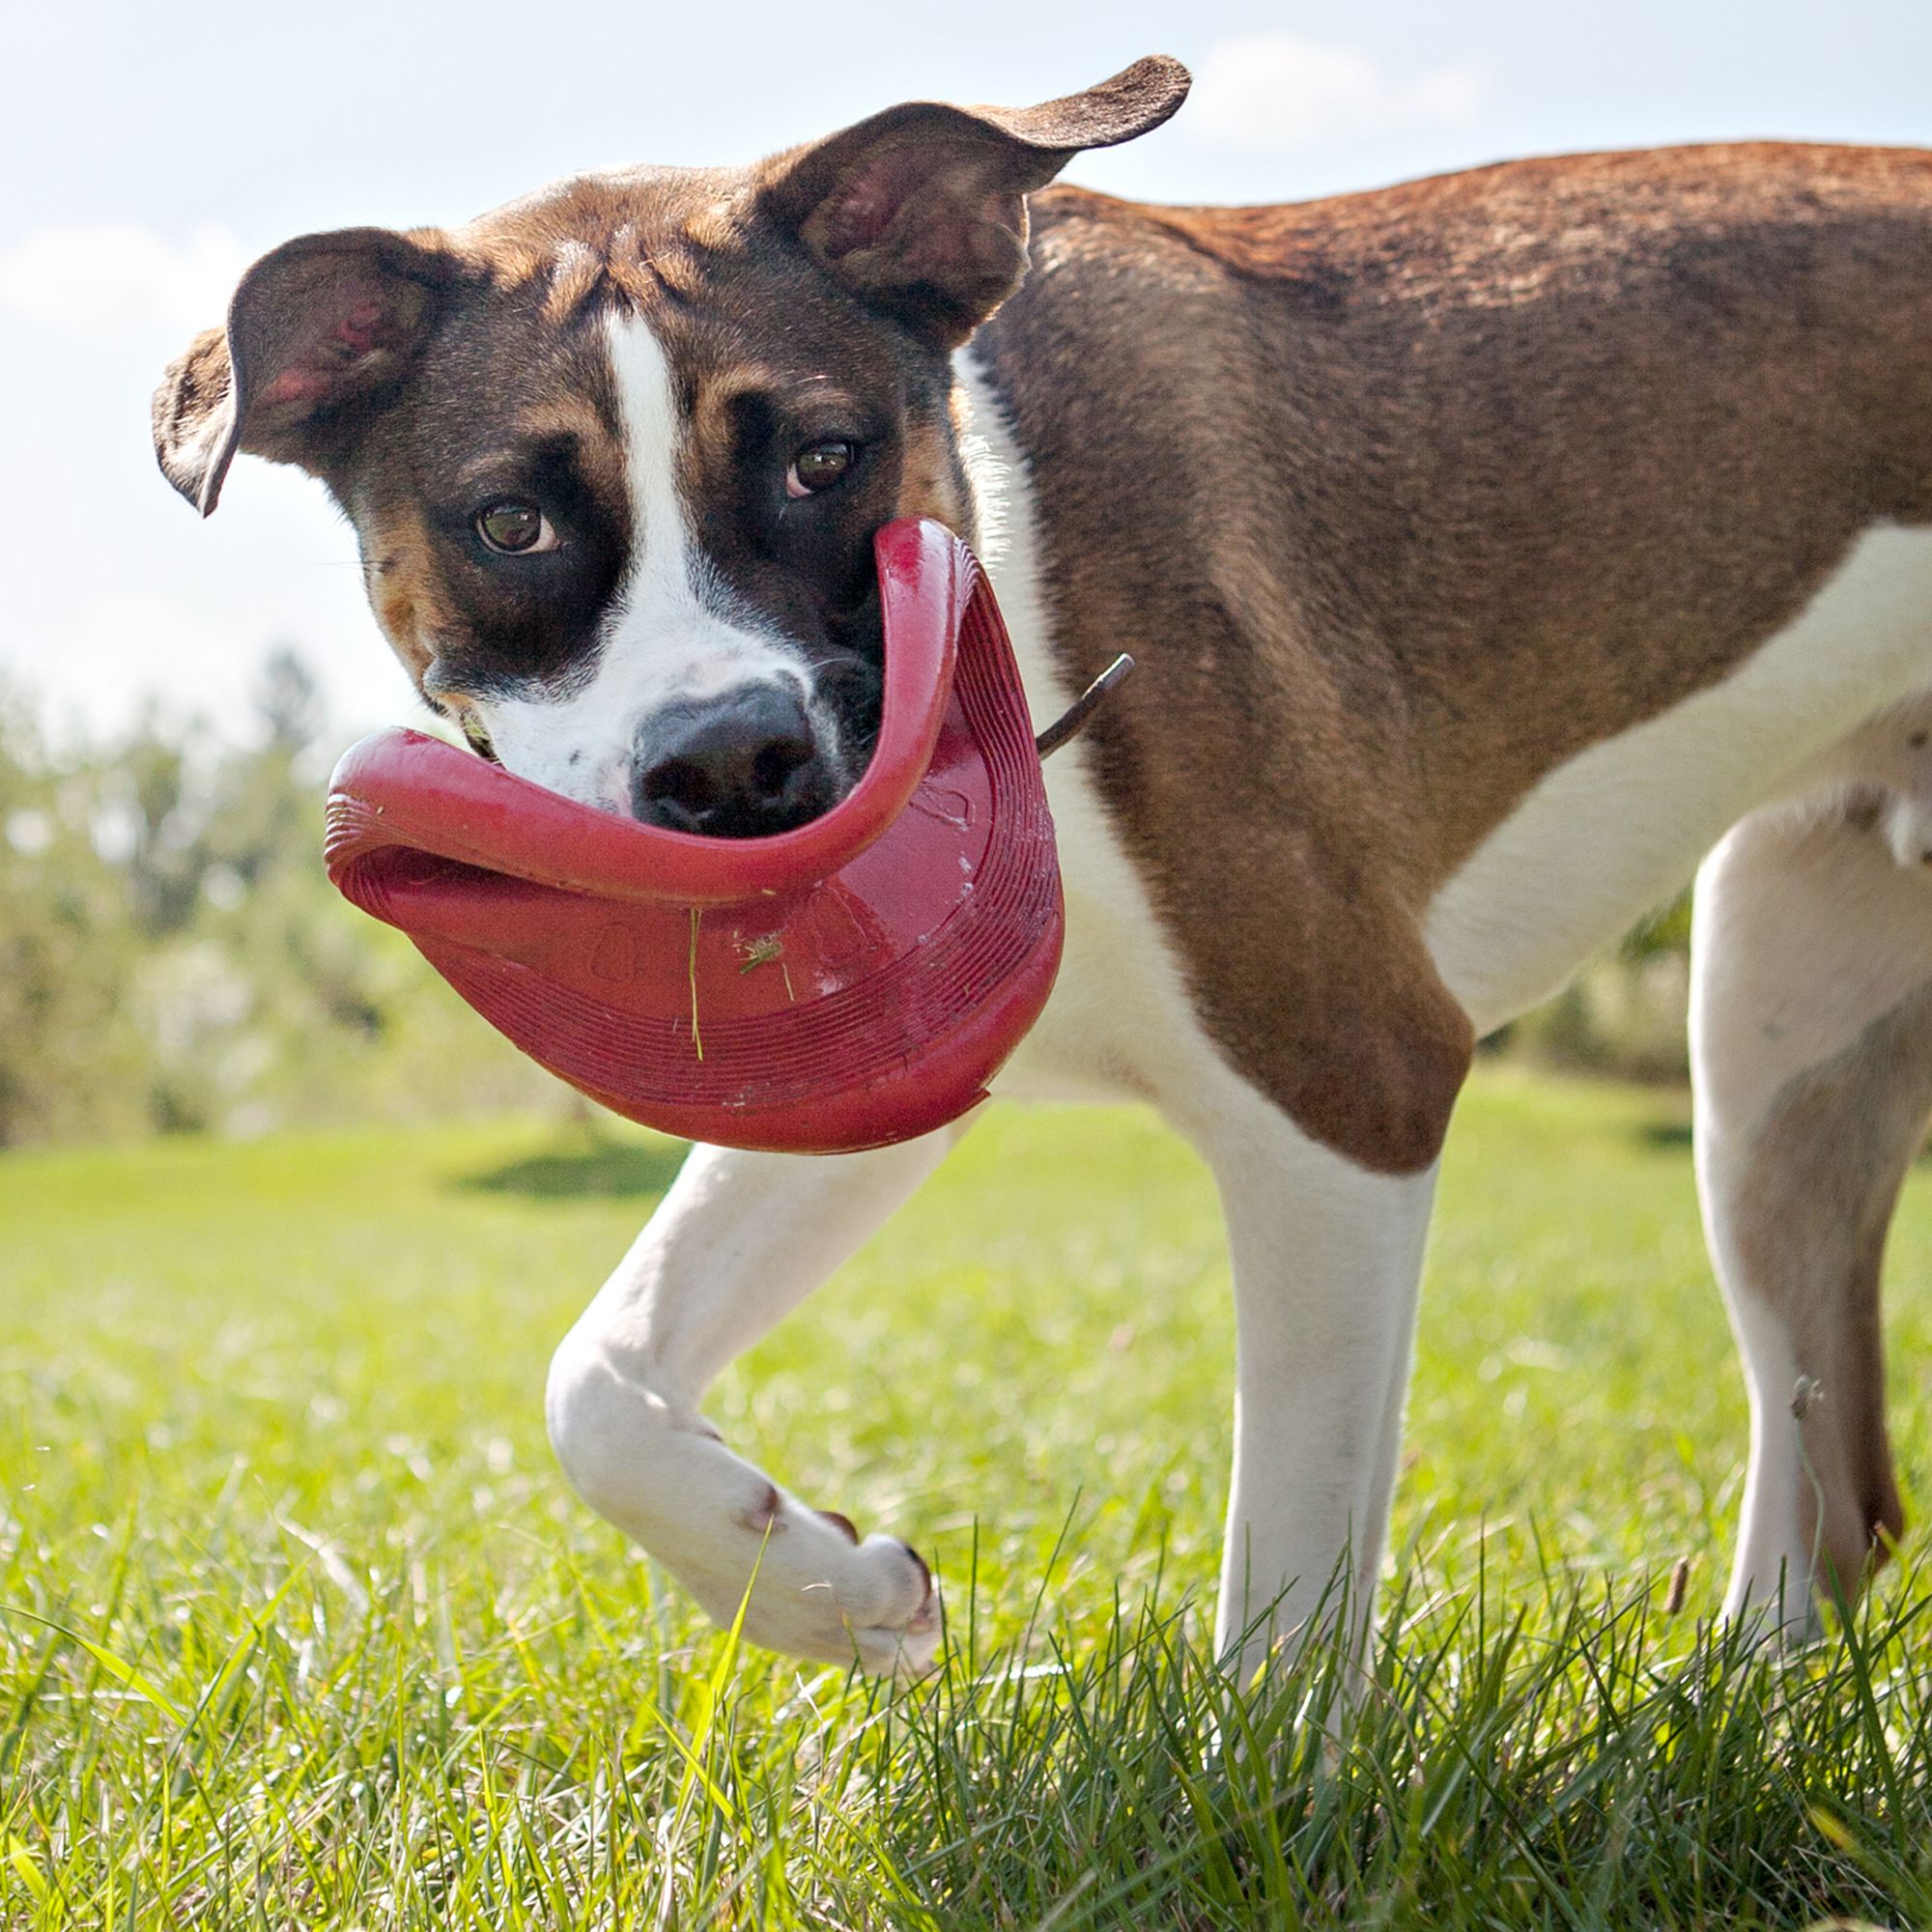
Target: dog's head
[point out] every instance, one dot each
(615, 453)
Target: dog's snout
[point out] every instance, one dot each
(742, 766)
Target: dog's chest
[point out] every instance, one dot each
(1119, 1024)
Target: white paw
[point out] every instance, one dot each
(720, 1528)
(887, 1601)
(820, 1591)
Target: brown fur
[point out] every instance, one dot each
(404, 590)
(1402, 499)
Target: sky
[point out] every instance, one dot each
(152, 150)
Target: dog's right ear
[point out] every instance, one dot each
(318, 330)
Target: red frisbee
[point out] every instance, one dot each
(852, 982)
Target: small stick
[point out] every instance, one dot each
(1084, 706)
(1680, 1578)
(696, 1037)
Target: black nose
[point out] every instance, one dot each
(737, 767)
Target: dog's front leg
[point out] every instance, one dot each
(1326, 1257)
(738, 1241)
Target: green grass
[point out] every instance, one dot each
(300, 1626)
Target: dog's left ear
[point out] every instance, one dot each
(922, 210)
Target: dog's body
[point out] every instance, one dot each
(1492, 548)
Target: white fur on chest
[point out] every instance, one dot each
(1612, 833)
(1119, 1024)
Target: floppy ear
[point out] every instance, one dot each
(316, 331)
(922, 210)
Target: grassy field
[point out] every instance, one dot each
(300, 1626)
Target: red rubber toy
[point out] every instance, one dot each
(851, 983)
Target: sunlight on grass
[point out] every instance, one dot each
(300, 1626)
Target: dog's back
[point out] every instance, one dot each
(1511, 458)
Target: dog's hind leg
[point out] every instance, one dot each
(1811, 1046)
(739, 1240)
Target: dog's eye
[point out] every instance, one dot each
(515, 528)
(818, 466)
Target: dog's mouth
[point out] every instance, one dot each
(778, 746)
(751, 762)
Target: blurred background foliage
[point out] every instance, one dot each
(1622, 1016)
(173, 958)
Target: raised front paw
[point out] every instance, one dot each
(822, 1592)
(887, 1601)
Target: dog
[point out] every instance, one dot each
(1496, 547)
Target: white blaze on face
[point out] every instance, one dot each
(673, 635)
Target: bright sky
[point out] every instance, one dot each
(152, 152)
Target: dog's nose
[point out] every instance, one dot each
(741, 766)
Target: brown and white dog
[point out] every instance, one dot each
(1494, 549)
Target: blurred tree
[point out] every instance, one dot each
(172, 956)
(70, 1058)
